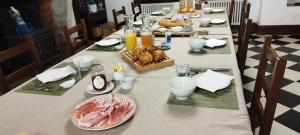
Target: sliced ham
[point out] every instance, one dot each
(85, 109)
(92, 118)
(108, 113)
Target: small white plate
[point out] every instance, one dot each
(195, 16)
(217, 21)
(137, 23)
(217, 10)
(157, 13)
(91, 90)
(108, 42)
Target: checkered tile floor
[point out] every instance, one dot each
(287, 116)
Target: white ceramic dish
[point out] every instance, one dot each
(108, 42)
(166, 9)
(195, 16)
(100, 99)
(68, 84)
(91, 90)
(197, 44)
(207, 10)
(157, 13)
(204, 22)
(84, 62)
(137, 23)
(217, 21)
(213, 42)
(182, 87)
(212, 81)
(217, 10)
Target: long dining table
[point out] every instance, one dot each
(50, 115)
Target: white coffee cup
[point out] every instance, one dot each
(127, 83)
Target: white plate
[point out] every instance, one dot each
(217, 10)
(100, 99)
(108, 42)
(217, 21)
(212, 81)
(195, 16)
(55, 74)
(213, 42)
(157, 13)
(137, 23)
(91, 90)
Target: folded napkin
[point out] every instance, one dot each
(213, 81)
(213, 42)
(55, 74)
(108, 42)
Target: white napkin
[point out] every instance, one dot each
(213, 81)
(55, 74)
(213, 42)
(108, 42)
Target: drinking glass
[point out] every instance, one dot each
(128, 20)
(182, 69)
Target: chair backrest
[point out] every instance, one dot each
(134, 5)
(231, 9)
(29, 45)
(245, 13)
(81, 41)
(271, 88)
(243, 42)
(118, 24)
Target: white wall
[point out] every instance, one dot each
(276, 12)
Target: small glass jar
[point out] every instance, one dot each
(198, 4)
(98, 78)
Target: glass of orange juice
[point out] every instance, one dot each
(130, 39)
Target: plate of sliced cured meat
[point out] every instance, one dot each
(103, 112)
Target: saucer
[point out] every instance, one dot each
(91, 90)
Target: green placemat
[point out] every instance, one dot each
(222, 25)
(225, 49)
(101, 48)
(51, 88)
(222, 99)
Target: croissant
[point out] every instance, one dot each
(145, 58)
(158, 55)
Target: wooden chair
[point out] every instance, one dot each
(81, 42)
(231, 9)
(118, 24)
(271, 88)
(19, 74)
(245, 15)
(242, 47)
(135, 5)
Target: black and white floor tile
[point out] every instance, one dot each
(287, 115)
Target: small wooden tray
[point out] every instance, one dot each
(166, 62)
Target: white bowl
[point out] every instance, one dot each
(197, 44)
(166, 9)
(204, 21)
(207, 10)
(84, 62)
(182, 87)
